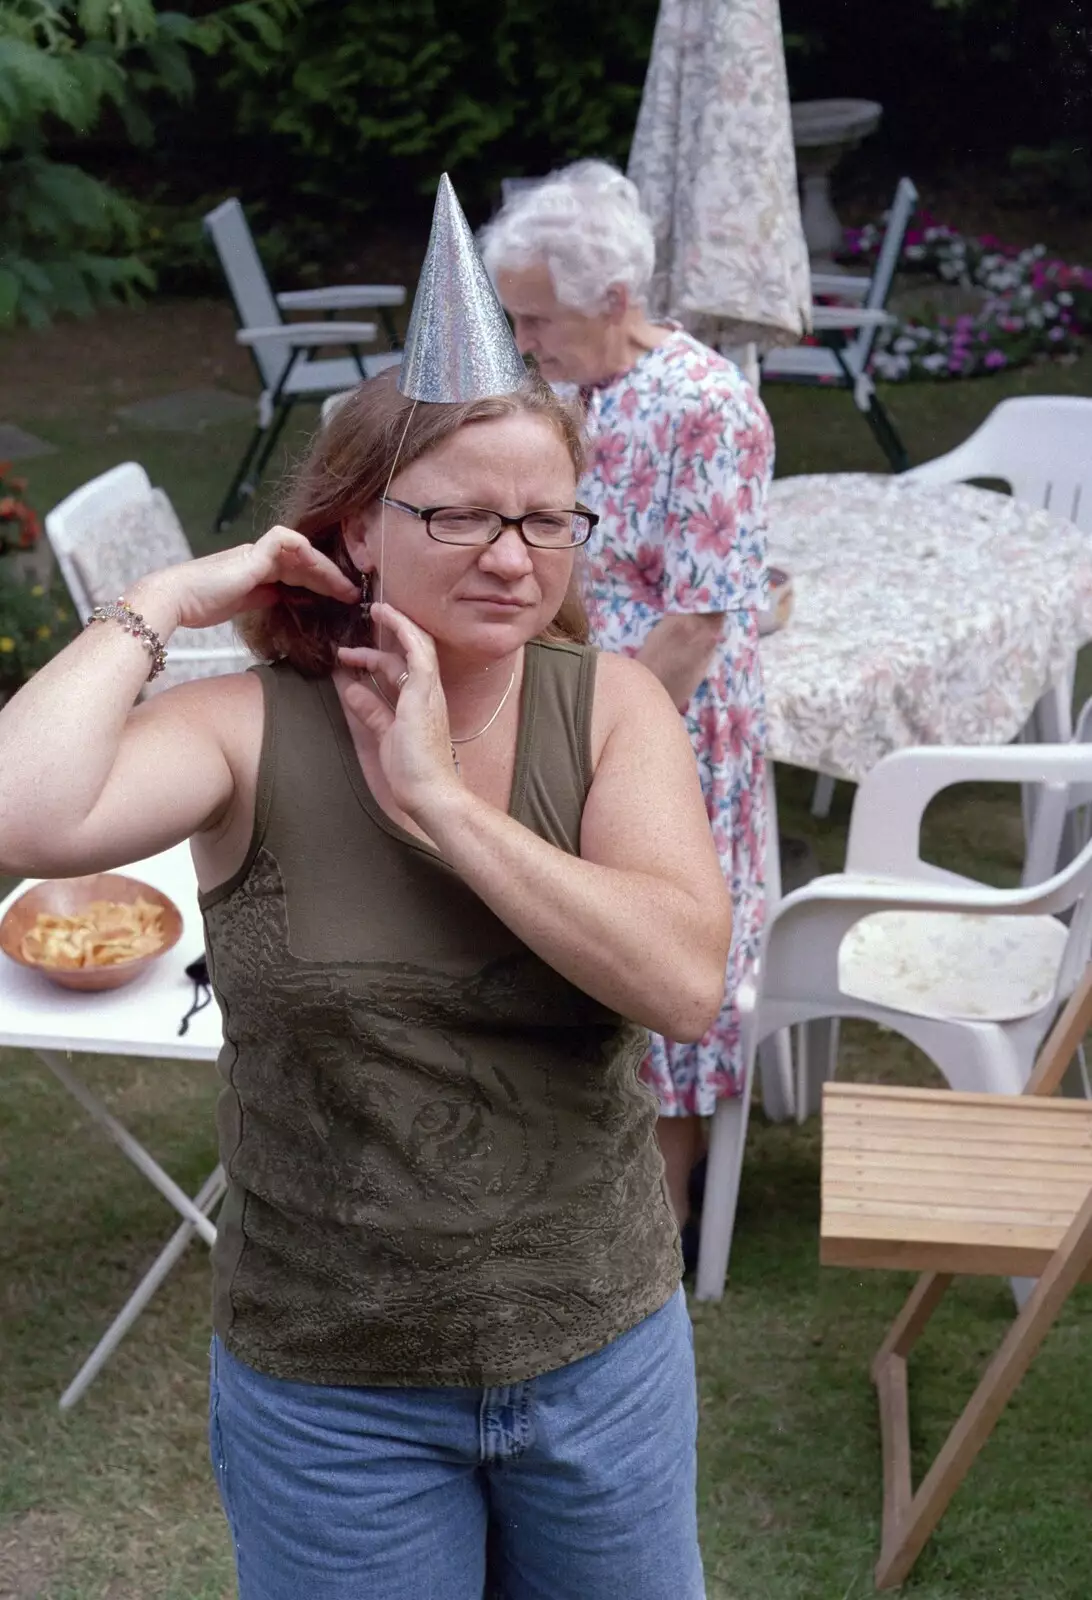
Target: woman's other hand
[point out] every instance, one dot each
(407, 714)
(216, 588)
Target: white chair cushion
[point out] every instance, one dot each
(139, 537)
(953, 965)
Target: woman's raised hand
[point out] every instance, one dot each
(216, 588)
(407, 714)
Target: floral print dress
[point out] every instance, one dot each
(680, 460)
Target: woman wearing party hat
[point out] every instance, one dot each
(453, 866)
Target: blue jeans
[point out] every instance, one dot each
(578, 1485)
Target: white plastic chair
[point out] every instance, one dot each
(971, 975)
(111, 532)
(846, 366)
(1040, 445)
(285, 352)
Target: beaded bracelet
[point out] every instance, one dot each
(120, 610)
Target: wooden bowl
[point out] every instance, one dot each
(66, 896)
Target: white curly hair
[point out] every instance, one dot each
(586, 224)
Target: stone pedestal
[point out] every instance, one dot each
(823, 130)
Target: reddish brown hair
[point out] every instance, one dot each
(347, 469)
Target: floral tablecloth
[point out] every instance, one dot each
(922, 615)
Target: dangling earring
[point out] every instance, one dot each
(366, 599)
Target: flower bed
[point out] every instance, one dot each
(1033, 307)
(32, 625)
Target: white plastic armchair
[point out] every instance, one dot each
(1040, 445)
(113, 530)
(971, 974)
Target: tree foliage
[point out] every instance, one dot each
(371, 97)
(67, 240)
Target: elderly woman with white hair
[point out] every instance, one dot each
(681, 454)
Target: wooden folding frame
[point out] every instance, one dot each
(958, 1183)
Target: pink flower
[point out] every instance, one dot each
(714, 531)
(700, 432)
(649, 561)
(686, 478)
(994, 359)
(629, 403)
(606, 456)
(753, 445)
(642, 479)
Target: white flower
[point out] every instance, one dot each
(934, 363)
(1050, 310)
(1064, 298)
(904, 345)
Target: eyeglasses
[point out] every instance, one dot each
(473, 525)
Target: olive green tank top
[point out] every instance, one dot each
(442, 1167)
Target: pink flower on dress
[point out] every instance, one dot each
(629, 403)
(649, 562)
(700, 431)
(753, 447)
(661, 434)
(642, 479)
(686, 478)
(607, 456)
(714, 531)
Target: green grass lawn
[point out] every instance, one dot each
(114, 1501)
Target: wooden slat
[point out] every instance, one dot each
(950, 1222)
(1023, 1167)
(915, 1255)
(1023, 1121)
(835, 1092)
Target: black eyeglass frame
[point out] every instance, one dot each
(426, 513)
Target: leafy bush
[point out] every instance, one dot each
(33, 627)
(374, 98)
(68, 239)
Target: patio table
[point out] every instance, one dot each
(141, 1019)
(922, 615)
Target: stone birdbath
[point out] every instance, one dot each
(823, 131)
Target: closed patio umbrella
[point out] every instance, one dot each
(713, 159)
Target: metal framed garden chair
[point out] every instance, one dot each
(289, 355)
(842, 363)
(110, 532)
(958, 1183)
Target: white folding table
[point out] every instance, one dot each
(140, 1019)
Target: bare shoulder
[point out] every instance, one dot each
(628, 697)
(222, 715)
(217, 705)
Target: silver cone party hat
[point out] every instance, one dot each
(458, 345)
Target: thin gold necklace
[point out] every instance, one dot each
(468, 738)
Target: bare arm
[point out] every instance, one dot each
(87, 780)
(678, 650)
(641, 920)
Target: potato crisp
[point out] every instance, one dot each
(102, 934)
